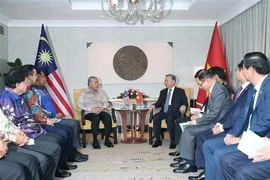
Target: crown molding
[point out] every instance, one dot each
(237, 10)
(108, 23)
(4, 20)
(92, 5)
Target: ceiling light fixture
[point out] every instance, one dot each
(134, 12)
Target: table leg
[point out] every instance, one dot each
(135, 125)
(142, 118)
(132, 125)
(124, 124)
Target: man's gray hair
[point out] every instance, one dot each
(172, 76)
(91, 78)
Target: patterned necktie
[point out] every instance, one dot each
(166, 106)
(237, 93)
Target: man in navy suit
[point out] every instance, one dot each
(237, 165)
(173, 103)
(254, 116)
(224, 125)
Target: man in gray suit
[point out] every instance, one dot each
(218, 104)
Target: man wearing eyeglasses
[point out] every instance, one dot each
(218, 104)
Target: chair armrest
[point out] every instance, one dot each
(151, 116)
(113, 115)
(82, 117)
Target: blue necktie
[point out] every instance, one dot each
(166, 106)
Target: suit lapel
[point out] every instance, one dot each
(261, 91)
(174, 92)
(212, 94)
(242, 94)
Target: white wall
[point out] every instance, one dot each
(190, 49)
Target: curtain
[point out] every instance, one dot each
(245, 33)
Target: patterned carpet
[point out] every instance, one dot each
(127, 162)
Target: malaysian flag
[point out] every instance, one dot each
(125, 98)
(46, 63)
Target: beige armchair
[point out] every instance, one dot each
(86, 125)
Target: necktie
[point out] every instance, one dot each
(250, 109)
(205, 104)
(237, 93)
(166, 106)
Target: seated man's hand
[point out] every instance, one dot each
(235, 140)
(59, 115)
(3, 149)
(100, 109)
(182, 109)
(216, 129)
(195, 116)
(228, 139)
(50, 122)
(152, 108)
(21, 139)
(20, 132)
(263, 153)
(97, 110)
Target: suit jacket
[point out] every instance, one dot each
(260, 121)
(229, 119)
(228, 87)
(179, 98)
(219, 104)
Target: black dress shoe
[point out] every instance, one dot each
(61, 173)
(172, 145)
(96, 145)
(178, 164)
(77, 158)
(186, 169)
(82, 155)
(108, 144)
(174, 153)
(68, 167)
(201, 176)
(157, 143)
(178, 159)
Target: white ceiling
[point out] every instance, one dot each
(81, 13)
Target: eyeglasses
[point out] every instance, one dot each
(200, 85)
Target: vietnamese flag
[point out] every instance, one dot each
(139, 97)
(215, 57)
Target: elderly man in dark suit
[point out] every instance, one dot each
(254, 116)
(219, 103)
(173, 103)
(224, 125)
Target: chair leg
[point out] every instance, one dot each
(115, 136)
(162, 133)
(84, 138)
(102, 135)
(150, 135)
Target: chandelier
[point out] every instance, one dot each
(134, 12)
